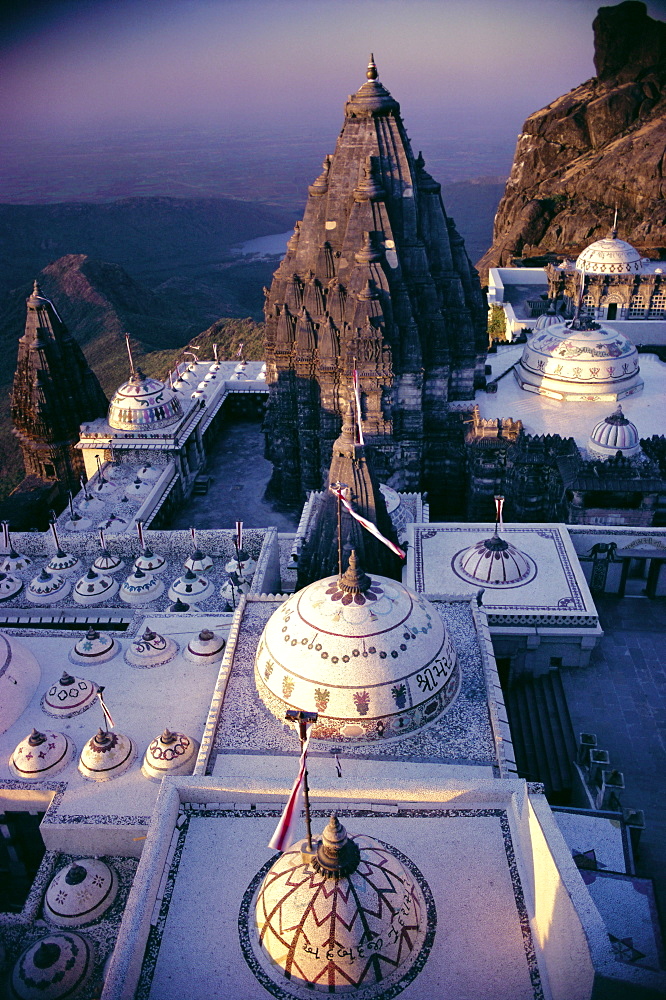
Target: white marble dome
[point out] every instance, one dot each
(57, 966)
(610, 256)
(612, 434)
(144, 403)
(20, 674)
(579, 360)
(372, 657)
(69, 696)
(354, 919)
(41, 754)
(494, 562)
(80, 893)
(547, 319)
(170, 753)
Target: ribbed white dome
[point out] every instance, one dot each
(369, 655)
(579, 361)
(612, 434)
(144, 403)
(547, 319)
(494, 562)
(610, 256)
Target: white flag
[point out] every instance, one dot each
(369, 526)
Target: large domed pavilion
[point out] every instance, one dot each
(579, 360)
(371, 656)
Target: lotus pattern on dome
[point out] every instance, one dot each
(55, 966)
(331, 602)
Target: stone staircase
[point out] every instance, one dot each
(543, 736)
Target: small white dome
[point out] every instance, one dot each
(57, 966)
(610, 256)
(191, 587)
(80, 893)
(612, 434)
(547, 319)
(140, 588)
(9, 586)
(207, 647)
(69, 696)
(40, 755)
(372, 657)
(150, 650)
(47, 588)
(150, 562)
(494, 562)
(94, 588)
(170, 753)
(94, 647)
(106, 755)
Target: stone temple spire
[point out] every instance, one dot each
(54, 392)
(319, 554)
(375, 278)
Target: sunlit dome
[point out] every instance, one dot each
(144, 402)
(579, 360)
(612, 434)
(610, 256)
(372, 657)
(354, 919)
(494, 562)
(547, 319)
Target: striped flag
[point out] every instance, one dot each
(284, 831)
(107, 714)
(239, 352)
(369, 526)
(359, 418)
(239, 535)
(499, 507)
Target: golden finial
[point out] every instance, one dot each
(372, 73)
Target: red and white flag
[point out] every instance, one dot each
(239, 352)
(499, 507)
(284, 831)
(107, 714)
(359, 418)
(239, 535)
(368, 525)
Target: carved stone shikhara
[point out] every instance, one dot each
(375, 278)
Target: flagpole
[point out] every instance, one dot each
(337, 489)
(304, 719)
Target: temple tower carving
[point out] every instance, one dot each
(376, 278)
(54, 392)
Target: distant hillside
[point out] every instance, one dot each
(99, 302)
(153, 238)
(599, 147)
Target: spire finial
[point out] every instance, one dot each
(372, 73)
(614, 229)
(354, 580)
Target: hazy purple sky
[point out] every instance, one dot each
(459, 64)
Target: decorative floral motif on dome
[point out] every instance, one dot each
(378, 601)
(373, 592)
(143, 402)
(610, 256)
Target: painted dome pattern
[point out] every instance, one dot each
(340, 931)
(54, 967)
(610, 256)
(612, 434)
(42, 754)
(142, 403)
(583, 362)
(80, 893)
(494, 562)
(372, 657)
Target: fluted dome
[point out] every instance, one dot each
(579, 360)
(352, 919)
(610, 256)
(494, 562)
(372, 657)
(143, 403)
(547, 319)
(612, 434)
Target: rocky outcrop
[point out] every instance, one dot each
(599, 147)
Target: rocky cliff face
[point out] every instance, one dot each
(599, 147)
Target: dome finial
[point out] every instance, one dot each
(614, 229)
(337, 855)
(354, 580)
(372, 73)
